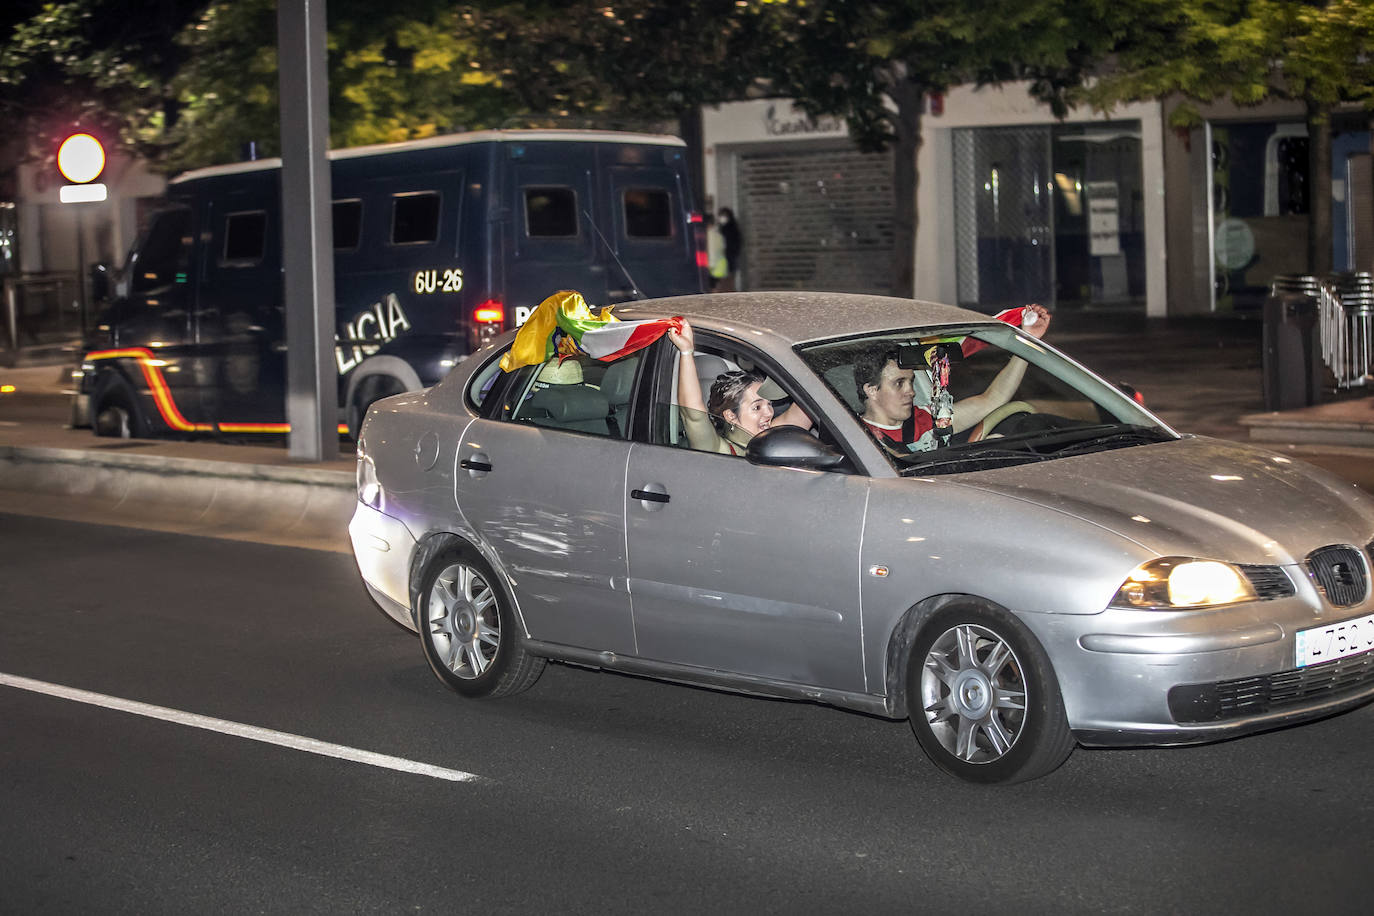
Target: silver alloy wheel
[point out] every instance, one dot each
(464, 621)
(973, 692)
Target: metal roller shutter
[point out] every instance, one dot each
(820, 219)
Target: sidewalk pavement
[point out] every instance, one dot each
(1200, 375)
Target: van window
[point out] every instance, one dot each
(348, 224)
(648, 213)
(165, 253)
(551, 212)
(245, 237)
(415, 218)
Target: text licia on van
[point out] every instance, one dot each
(384, 321)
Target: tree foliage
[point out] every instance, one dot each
(632, 62)
(1250, 51)
(194, 90)
(97, 64)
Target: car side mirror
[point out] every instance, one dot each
(792, 447)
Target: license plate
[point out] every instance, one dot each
(1337, 640)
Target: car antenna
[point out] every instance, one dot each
(634, 287)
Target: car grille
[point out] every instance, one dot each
(1192, 704)
(1340, 573)
(1269, 581)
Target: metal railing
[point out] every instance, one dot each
(42, 309)
(1345, 322)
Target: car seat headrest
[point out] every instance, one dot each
(565, 372)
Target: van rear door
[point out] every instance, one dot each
(652, 236)
(553, 242)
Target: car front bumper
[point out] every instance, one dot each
(1133, 677)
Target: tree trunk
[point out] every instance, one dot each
(1319, 240)
(690, 130)
(905, 183)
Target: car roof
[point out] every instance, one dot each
(800, 317)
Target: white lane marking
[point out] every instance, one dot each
(251, 732)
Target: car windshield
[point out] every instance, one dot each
(954, 399)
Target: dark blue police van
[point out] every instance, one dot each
(439, 244)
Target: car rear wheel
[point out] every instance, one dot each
(983, 699)
(468, 630)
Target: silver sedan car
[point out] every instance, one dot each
(896, 507)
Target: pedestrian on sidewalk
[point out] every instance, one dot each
(734, 246)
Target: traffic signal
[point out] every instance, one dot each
(81, 159)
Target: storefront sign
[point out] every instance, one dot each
(793, 122)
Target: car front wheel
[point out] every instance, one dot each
(983, 699)
(468, 630)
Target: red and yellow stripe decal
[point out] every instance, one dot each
(151, 367)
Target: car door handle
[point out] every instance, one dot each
(649, 496)
(476, 464)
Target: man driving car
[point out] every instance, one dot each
(888, 397)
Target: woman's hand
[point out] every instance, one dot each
(683, 340)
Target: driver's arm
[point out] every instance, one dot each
(971, 410)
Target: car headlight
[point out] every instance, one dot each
(369, 487)
(1181, 582)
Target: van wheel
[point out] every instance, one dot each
(115, 413)
(373, 388)
(983, 699)
(468, 629)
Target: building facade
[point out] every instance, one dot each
(1012, 204)
(1100, 212)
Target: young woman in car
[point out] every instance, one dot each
(739, 407)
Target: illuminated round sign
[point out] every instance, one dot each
(81, 158)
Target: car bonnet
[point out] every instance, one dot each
(1196, 497)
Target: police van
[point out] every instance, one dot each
(439, 245)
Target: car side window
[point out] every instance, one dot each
(674, 425)
(577, 394)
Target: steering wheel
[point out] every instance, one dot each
(988, 425)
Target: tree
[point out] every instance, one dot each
(632, 64)
(202, 83)
(96, 64)
(400, 72)
(876, 62)
(1318, 53)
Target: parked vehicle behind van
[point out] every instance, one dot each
(439, 245)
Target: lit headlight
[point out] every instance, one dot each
(1180, 582)
(369, 487)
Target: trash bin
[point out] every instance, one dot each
(1292, 365)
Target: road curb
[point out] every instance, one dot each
(289, 506)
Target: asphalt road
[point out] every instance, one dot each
(591, 793)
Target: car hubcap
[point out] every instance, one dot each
(464, 622)
(973, 692)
